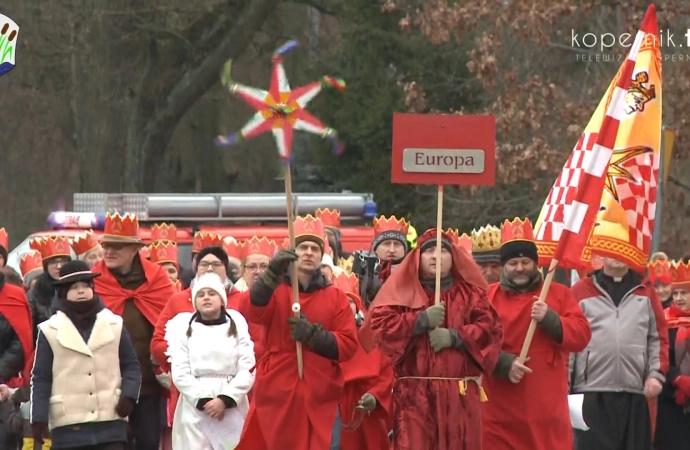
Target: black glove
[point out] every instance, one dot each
(301, 329)
(278, 266)
(282, 260)
(125, 406)
(38, 430)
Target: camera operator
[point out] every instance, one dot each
(389, 247)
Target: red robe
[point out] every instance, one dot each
(15, 308)
(286, 412)
(434, 413)
(533, 414)
(366, 373)
(372, 373)
(149, 298)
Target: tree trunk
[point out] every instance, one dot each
(153, 122)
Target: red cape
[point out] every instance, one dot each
(403, 288)
(15, 308)
(150, 298)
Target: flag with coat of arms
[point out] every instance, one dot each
(603, 203)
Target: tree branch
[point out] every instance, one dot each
(322, 6)
(196, 81)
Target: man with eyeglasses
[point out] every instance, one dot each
(136, 289)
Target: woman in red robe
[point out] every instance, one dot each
(438, 352)
(365, 405)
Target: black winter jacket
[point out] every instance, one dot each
(11, 351)
(41, 298)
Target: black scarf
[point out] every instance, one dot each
(82, 313)
(430, 285)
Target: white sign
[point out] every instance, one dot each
(443, 160)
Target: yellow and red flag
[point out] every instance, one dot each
(604, 200)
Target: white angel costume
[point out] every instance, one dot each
(208, 364)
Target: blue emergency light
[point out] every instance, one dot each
(63, 220)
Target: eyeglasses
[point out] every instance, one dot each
(113, 246)
(206, 264)
(256, 267)
(57, 261)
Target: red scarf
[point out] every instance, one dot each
(677, 317)
(149, 298)
(15, 308)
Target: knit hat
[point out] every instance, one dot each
(209, 281)
(327, 261)
(519, 249)
(391, 235)
(429, 242)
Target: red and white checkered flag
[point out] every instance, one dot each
(609, 180)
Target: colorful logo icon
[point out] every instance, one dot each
(9, 31)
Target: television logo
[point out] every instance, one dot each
(8, 43)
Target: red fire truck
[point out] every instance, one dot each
(238, 215)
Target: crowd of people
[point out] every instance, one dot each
(274, 346)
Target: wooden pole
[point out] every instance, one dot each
(295, 282)
(439, 232)
(533, 324)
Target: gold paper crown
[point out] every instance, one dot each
(162, 252)
(51, 247)
(233, 248)
(31, 261)
(259, 246)
(163, 232)
(346, 264)
(329, 217)
(124, 226)
(486, 239)
(85, 243)
(392, 223)
(660, 271)
(203, 239)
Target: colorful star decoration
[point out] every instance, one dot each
(281, 110)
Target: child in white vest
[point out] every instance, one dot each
(212, 356)
(86, 376)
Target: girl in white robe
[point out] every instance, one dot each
(211, 358)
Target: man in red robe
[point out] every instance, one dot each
(531, 411)
(439, 352)
(137, 290)
(288, 412)
(365, 406)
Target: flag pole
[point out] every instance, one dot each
(548, 279)
(439, 235)
(293, 277)
(656, 234)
